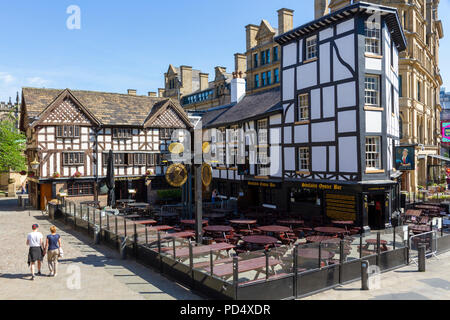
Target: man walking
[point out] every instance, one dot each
(35, 253)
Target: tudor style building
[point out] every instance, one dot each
(341, 114)
(71, 132)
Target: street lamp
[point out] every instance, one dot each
(35, 164)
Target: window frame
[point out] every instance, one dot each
(303, 110)
(73, 159)
(375, 154)
(62, 130)
(311, 48)
(372, 38)
(377, 91)
(304, 163)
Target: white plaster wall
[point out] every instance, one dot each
(275, 136)
(300, 50)
(332, 159)
(346, 93)
(346, 48)
(315, 104)
(289, 113)
(289, 54)
(328, 102)
(275, 161)
(373, 121)
(306, 75)
(373, 64)
(345, 26)
(301, 134)
(319, 159)
(289, 159)
(323, 132)
(325, 34)
(288, 84)
(287, 134)
(340, 72)
(275, 119)
(348, 154)
(347, 121)
(325, 71)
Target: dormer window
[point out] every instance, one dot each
(67, 131)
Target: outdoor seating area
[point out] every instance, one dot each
(243, 249)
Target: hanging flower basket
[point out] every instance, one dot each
(77, 174)
(31, 174)
(149, 173)
(23, 173)
(56, 175)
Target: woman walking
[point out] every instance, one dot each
(35, 253)
(53, 245)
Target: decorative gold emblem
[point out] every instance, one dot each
(176, 148)
(176, 175)
(206, 147)
(206, 174)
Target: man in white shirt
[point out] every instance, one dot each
(35, 253)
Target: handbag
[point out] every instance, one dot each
(61, 253)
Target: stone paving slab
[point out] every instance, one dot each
(401, 284)
(102, 274)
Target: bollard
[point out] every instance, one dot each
(422, 258)
(97, 234)
(123, 248)
(364, 275)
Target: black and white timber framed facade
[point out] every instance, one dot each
(341, 113)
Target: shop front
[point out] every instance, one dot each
(369, 206)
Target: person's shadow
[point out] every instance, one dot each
(16, 276)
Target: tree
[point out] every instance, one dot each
(12, 146)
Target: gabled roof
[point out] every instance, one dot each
(390, 14)
(107, 109)
(252, 106)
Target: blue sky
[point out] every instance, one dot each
(129, 44)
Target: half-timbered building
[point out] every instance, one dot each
(341, 114)
(70, 134)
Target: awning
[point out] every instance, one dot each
(435, 156)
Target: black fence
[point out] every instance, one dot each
(286, 272)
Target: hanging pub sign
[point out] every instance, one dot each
(445, 132)
(405, 158)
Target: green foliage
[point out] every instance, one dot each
(169, 194)
(12, 146)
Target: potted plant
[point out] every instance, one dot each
(56, 175)
(77, 174)
(23, 173)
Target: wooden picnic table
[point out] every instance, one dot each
(313, 253)
(184, 252)
(159, 228)
(260, 240)
(330, 230)
(413, 213)
(373, 242)
(192, 222)
(182, 234)
(343, 223)
(420, 228)
(218, 229)
(243, 221)
(275, 229)
(291, 222)
(139, 204)
(329, 239)
(132, 216)
(150, 221)
(243, 266)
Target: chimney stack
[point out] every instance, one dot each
(152, 94)
(237, 88)
(132, 92)
(204, 82)
(186, 80)
(251, 31)
(335, 5)
(320, 8)
(161, 92)
(285, 20)
(240, 62)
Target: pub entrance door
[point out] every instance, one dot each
(376, 211)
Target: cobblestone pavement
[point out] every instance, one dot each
(86, 272)
(401, 284)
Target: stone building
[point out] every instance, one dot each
(193, 88)
(260, 64)
(419, 81)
